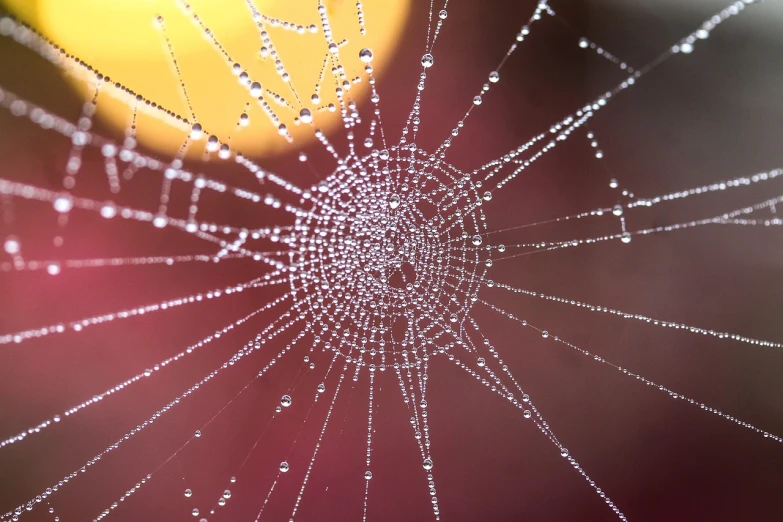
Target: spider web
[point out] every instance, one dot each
(360, 287)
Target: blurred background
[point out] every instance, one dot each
(713, 115)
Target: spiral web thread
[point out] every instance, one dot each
(378, 266)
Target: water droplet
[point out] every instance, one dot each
(613, 183)
(195, 512)
(365, 55)
(686, 48)
(544, 334)
(394, 201)
(625, 237)
(305, 116)
(583, 43)
(286, 400)
(195, 131)
(617, 210)
(197, 434)
(321, 388)
(159, 221)
(227, 494)
(427, 60)
(427, 464)
(12, 245)
(563, 452)
(108, 210)
(481, 362)
(63, 204)
(442, 14)
(368, 475)
(453, 318)
(487, 196)
(188, 493)
(476, 240)
(284, 467)
(494, 77)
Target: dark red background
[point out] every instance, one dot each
(710, 116)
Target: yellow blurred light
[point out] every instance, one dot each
(122, 39)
